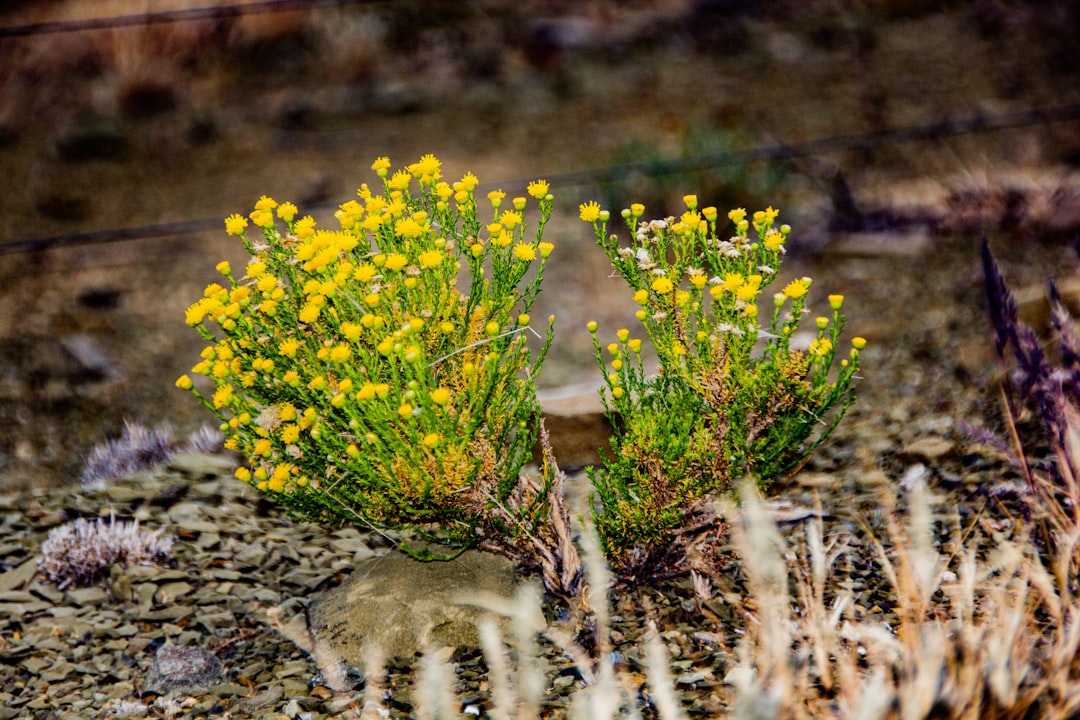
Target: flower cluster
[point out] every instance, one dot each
(731, 397)
(355, 377)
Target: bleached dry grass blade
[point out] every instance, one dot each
(434, 686)
(875, 698)
(374, 667)
(660, 681)
(503, 706)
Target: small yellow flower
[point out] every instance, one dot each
(590, 211)
(634, 344)
(340, 353)
(222, 395)
(366, 391)
(496, 198)
(751, 311)
(408, 228)
(662, 285)
(617, 392)
(184, 382)
(538, 189)
(266, 203)
(492, 328)
(195, 313)
(262, 218)
(737, 215)
(365, 272)
(381, 166)
(510, 219)
(690, 201)
(235, 224)
(427, 168)
(469, 182)
(305, 227)
(405, 410)
(431, 440)
(524, 252)
(623, 334)
(309, 313)
(242, 473)
(746, 292)
(290, 433)
(523, 319)
(637, 209)
(545, 249)
(858, 343)
(821, 322)
(591, 326)
(351, 331)
(836, 301)
(440, 396)
(287, 211)
(431, 258)
(224, 268)
(797, 288)
(641, 297)
(399, 181)
(773, 240)
(396, 261)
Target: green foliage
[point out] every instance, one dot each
(730, 397)
(360, 383)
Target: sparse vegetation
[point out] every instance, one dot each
(730, 397)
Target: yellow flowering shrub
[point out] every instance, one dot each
(360, 382)
(730, 398)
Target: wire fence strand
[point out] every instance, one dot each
(214, 12)
(761, 153)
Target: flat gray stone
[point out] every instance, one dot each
(402, 605)
(183, 669)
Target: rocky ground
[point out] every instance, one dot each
(233, 594)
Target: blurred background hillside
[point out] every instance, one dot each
(891, 133)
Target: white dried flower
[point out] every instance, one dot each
(207, 439)
(136, 449)
(730, 329)
(80, 552)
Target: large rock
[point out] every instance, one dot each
(402, 605)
